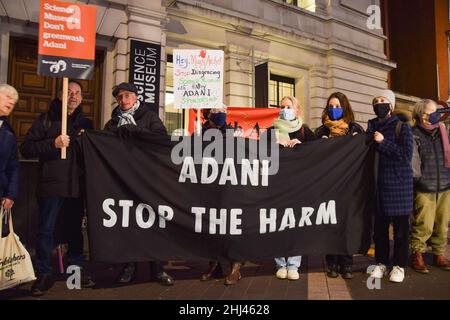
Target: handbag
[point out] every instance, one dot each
(15, 261)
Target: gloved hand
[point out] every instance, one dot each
(126, 131)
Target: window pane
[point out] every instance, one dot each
(280, 87)
(309, 5)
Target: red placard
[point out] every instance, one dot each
(66, 39)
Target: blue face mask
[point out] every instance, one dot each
(287, 114)
(335, 113)
(218, 118)
(434, 117)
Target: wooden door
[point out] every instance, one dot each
(36, 92)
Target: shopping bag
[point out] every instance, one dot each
(15, 261)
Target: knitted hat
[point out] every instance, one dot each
(389, 95)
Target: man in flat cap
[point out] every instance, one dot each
(130, 118)
(132, 115)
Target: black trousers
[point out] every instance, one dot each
(401, 239)
(342, 260)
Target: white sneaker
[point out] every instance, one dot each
(282, 273)
(293, 275)
(397, 274)
(378, 272)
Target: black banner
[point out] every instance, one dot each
(65, 67)
(145, 66)
(142, 206)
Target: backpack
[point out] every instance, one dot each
(416, 162)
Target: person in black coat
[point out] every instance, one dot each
(338, 120)
(9, 163)
(133, 118)
(394, 196)
(58, 188)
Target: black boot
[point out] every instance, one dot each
(332, 271)
(157, 272)
(42, 284)
(214, 271)
(127, 274)
(346, 272)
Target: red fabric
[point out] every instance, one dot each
(244, 118)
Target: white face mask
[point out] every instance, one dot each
(287, 114)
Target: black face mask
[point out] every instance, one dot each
(381, 109)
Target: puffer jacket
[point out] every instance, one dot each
(435, 176)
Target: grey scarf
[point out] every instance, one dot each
(127, 117)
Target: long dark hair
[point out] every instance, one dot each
(348, 117)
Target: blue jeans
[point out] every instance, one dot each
(73, 212)
(291, 263)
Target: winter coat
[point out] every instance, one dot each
(435, 176)
(146, 121)
(395, 178)
(57, 177)
(9, 163)
(323, 130)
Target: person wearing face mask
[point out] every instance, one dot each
(394, 143)
(9, 163)
(290, 132)
(432, 189)
(338, 120)
(216, 119)
(289, 127)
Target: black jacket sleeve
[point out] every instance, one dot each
(36, 143)
(155, 125)
(322, 131)
(309, 135)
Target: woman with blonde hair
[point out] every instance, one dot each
(290, 131)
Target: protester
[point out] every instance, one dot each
(58, 188)
(338, 120)
(133, 118)
(216, 119)
(291, 131)
(9, 163)
(432, 188)
(395, 186)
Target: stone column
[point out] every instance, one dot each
(318, 93)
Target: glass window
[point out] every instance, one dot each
(309, 5)
(280, 87)
(174, 118)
